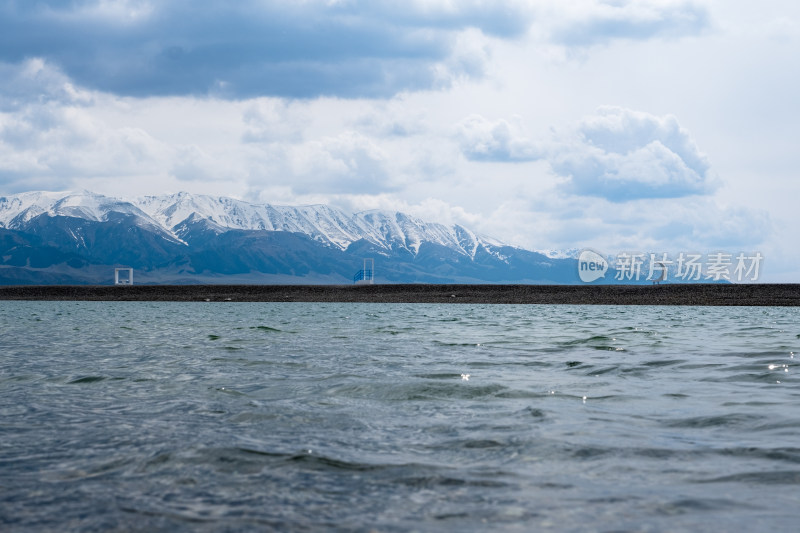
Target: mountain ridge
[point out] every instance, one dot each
(78, 236)
(320, 221)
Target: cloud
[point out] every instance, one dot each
(36, 81)
(481, 139)
(621, 155)
(698, 223)
(270, 120)
(192, 163)
(391, 118)
(350, 49)
(586, 23)
(348, 163)
(255, 47)
(617, 154)
(706, 224)
(469, 58)
(57, 138)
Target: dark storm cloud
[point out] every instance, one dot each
(248, 48)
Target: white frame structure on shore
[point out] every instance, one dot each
(123, 281)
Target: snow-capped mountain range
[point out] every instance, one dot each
(76, 237)
(322, 223)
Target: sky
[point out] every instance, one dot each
(659, 126)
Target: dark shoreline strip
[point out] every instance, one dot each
(670, 294)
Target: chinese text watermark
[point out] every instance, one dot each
(681, 267)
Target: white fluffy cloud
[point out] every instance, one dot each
(617, 153)
(52, 143)
(53, 136)
(620, 154)
(273, 120)
(482, 139)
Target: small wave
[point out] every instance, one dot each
(318, 461)
(430, 390)
(786, 455)
(448, 375)
(749, 377)
(227, 360)
(701, 504)
(433, 481)
(605, 370)
(518, 394)
(470, 444)
(791, 477)
(663, 363)
(87, 379)
(592, 452)
(701, 366)
(266, 329)
(535, 413)
(105, 468)
(594, 339)
(730, 420)
(228, 390)
(231, 460)
(389, 330)
(455, 344)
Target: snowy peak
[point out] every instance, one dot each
(17, 210)
(171, 210)
(23, 207)
(321, 223)
(177, 215)
(324, 224)
(399, 230)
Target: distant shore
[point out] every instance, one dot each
(669, 294)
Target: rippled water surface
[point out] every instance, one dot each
(306, 417)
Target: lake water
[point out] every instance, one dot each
(359, 417)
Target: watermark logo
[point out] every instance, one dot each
(591, 266)
(683, 267)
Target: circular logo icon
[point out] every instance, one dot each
(591, 266)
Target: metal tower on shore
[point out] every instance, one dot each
(366, 276)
